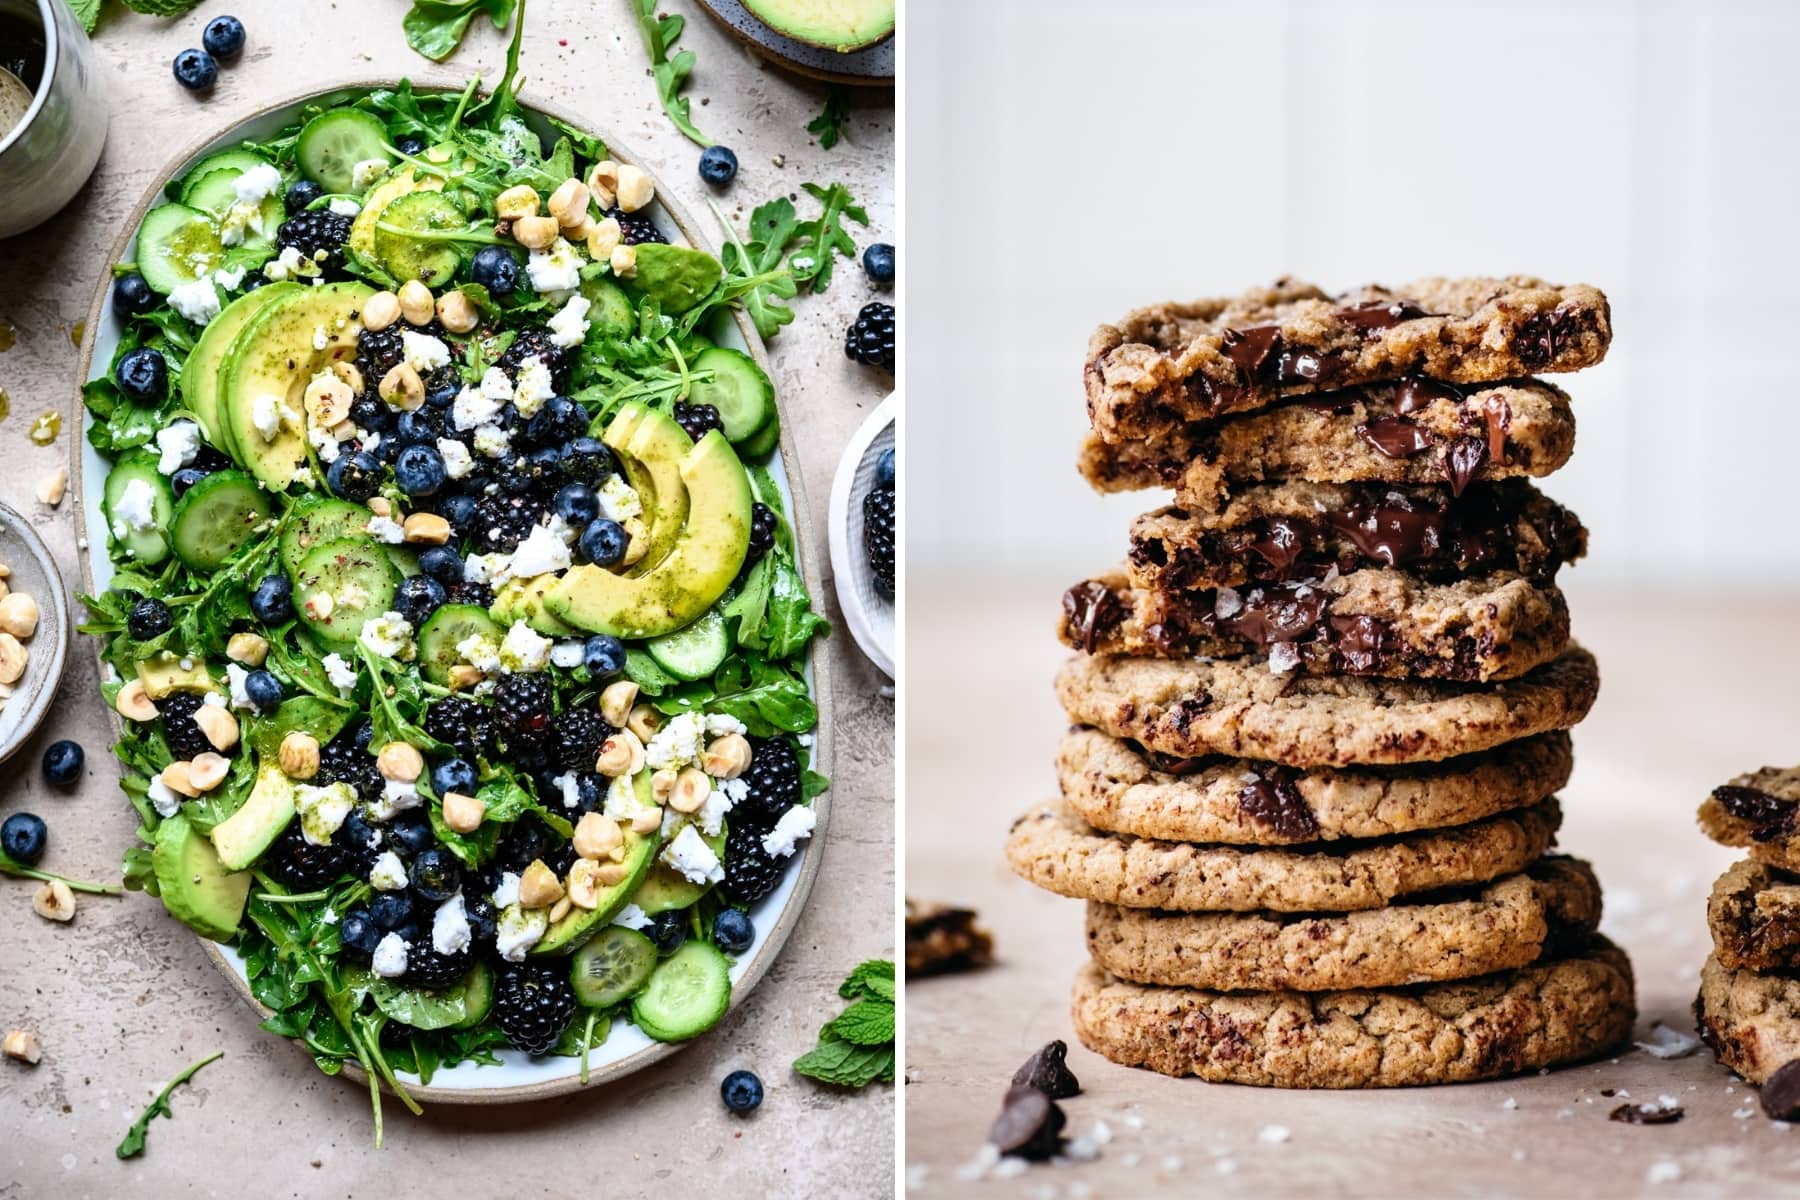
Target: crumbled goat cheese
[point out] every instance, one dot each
(541, 552)
(711, 816)
(569, 787)
(619, 500)
(720, 724)
(228, 277)
(450, 933)
(396, 797)
(256, 183)
(367, 172)
(388, 874)
(322, 810)
(136, 509)
(458, 462)
(632, 917)
(265, 416)
(557, 269)
(680, 741)
(566, 654)
(480, 652)
(423, 352)
(344, 206)
(324, 443)
(386, 529)
(341, 674)
(690, 857)
(389, 636)
(569, 327)
(622, 801)
(535, 386)
(506, 892)
(389, 960)
(524, 650)
(237, 678)
(518, 930)
(166, 802)
(491, 441)
(197, 300)
(796, 823)
(475, 407)
(179, 443)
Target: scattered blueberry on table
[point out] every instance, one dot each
(22, 838)
(196, 70)
(718, 165)
(878, 262)
(63, 762)
(742, 1091)
(224, 38)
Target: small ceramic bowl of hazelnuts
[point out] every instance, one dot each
(34, 631)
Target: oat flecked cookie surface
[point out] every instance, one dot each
(1759, 811)
(1754, 917)
(1051, 848)
(1750, 1019)
(1192, 707)
(1553, 903)
(1176, 362)
(1115, 786)
(1558, 1011)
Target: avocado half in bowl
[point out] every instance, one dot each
(839, 25)
(268, 346)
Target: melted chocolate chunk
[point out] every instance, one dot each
(1308, 366)
(1274, 614)
(1360, 641)
(1781, 1092)
(1030, 1125)
(1464, 458)
(1541, 336)
(1170, 764)
(1415, 393)
(1390, 534)
(1280, 541)
(1373, 315)
(1092, 610)
(1048, 1072)
(1272, 801)
(1249, 349)
(1771, 818)
(1336, 403)
(1647, 1114)
(1395, 437)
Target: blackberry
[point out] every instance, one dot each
(878, 536)
(463, 723)
(528, 840)
(697, 419)
(636, 228)
(522, 705)
(533, 1004)
(575, 738)
(870, 340)
(750, 874)
(529, 752)
(478, 594)
(319, 235)
(426, 968)
(179, 730)
(502, 522)
(533, 341)
(377, 353)
(341, 760)
(773, 780)
(296, 863)
(763, 525)
(482, 918)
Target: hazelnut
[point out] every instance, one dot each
(54, 901)
(662, 784)
(133, 702)
(616, 701)
(350, 373)
(219, 726)
(416, 303)
(299, 755)
(579, 230)
(569, 203)
(692, 787)
(516, 202)
(381, 506)
(635, 189)
(52, 486)
(13, 656)
(207, 771)
(18, 614)
(621, 754)
(463, 813)
(402, 387)
(597, 836)
(462, 675)
(603, 183)
(643, 721)
(560, 909)
(607, 874)
(536, 233)
(319, 605)
(584, 887)
(538, 886)
(624, 261)
(647, 820)
(426, 529)
(728, 757)
(24, 1046)
(400, 762)
(380, 311)
(327, 399)
(178, 778)
(457, 312)
(603, 237)
(251, 649)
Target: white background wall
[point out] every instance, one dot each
(1070, 159)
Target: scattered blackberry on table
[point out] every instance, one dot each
(750, 874)
(196, 70)
(22, 837)
(148, 618)
(319, 235)
(870, 340)
(426, 968)
(500, 523)
(300, 866)
(773, 780)
(696, 419)
(635, 228)
(522, 704)
(878, 536)
(463, 723)
(763, 526)
(575, 738)
(179, 730)
(533, 1004)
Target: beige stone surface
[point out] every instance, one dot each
(123, 997)
(1695, 689)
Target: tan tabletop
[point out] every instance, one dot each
(124, 997)
(1694, 689)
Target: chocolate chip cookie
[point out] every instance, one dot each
(1754, 915)
(1378, 434)
(1378, 621)
(1189, 708)
(1750, 1019)
(1554, 903)
(1050, 847)
(1117, 786)
(1293, 531)
(1758, 811)
(1558, 1011)
(1177, 362)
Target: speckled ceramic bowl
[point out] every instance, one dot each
(871, 616)
(34, 573)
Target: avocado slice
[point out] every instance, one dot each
(841, 25)
(697, 569)
(650, 447)
(396, 185)
(200, 374)
(242, 837)
(276, 355)
(196, 886)
(164, 673)
(676, 277)
(580, 924)
(665, 889)
(523, 600)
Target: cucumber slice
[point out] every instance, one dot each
(763, 442)
(456, 1007)
(358, 577)
(176, 245)
(738, 389)
(216, 193)
(432, 263)
(687, 994)
(333, 142)
(146, 547)
(613, 967)
(611, 312)
(695, 651)
(216, 517)
(450, 624)
(234, 161)
(316, 519)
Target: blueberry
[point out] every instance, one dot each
(544, 468)
(273, 600)
(454, 775)
(603, 656)
(408, 933)
(362, 735)
(302, 193)
(419, 470)
(576, 503)
(421, 427)
(718, 165)
(742, 1091)
(732, 931)
(149, 618)
(459, 511)
(559, 420)
(356, 834)
(479, 909)
(409, 835)
(668, 930)
(371, 414)
(878, 261)
(143, 375)
(255, 280)
(63, 762)
(442, 563)
(224, 38)
(391, 910)
(435, 874)
(588, 460)
(131, 295)
(184, 479)
(358, 933)
(196, 70)
(22, 837)
(603, 542)
(495, 269)
(444, 392)
(516, 476)
(354, 477)
(410, 146)
(264, 691)
(419, 597)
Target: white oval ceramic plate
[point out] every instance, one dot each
(869, 614)
(518, 1077)
(33, 572)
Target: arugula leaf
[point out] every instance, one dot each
(857, 1046)
(659, 35)
(435, 28)
(11, 866)
(830, 124)
(820, 240)
(133, 1143)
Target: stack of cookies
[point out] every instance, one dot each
(1748, 1009)
(1319, 714)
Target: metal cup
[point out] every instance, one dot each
(47, 157)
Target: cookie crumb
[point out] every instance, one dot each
(941, 940)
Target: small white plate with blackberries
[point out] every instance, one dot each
(863, 535)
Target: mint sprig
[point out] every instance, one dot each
(856, 1047)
